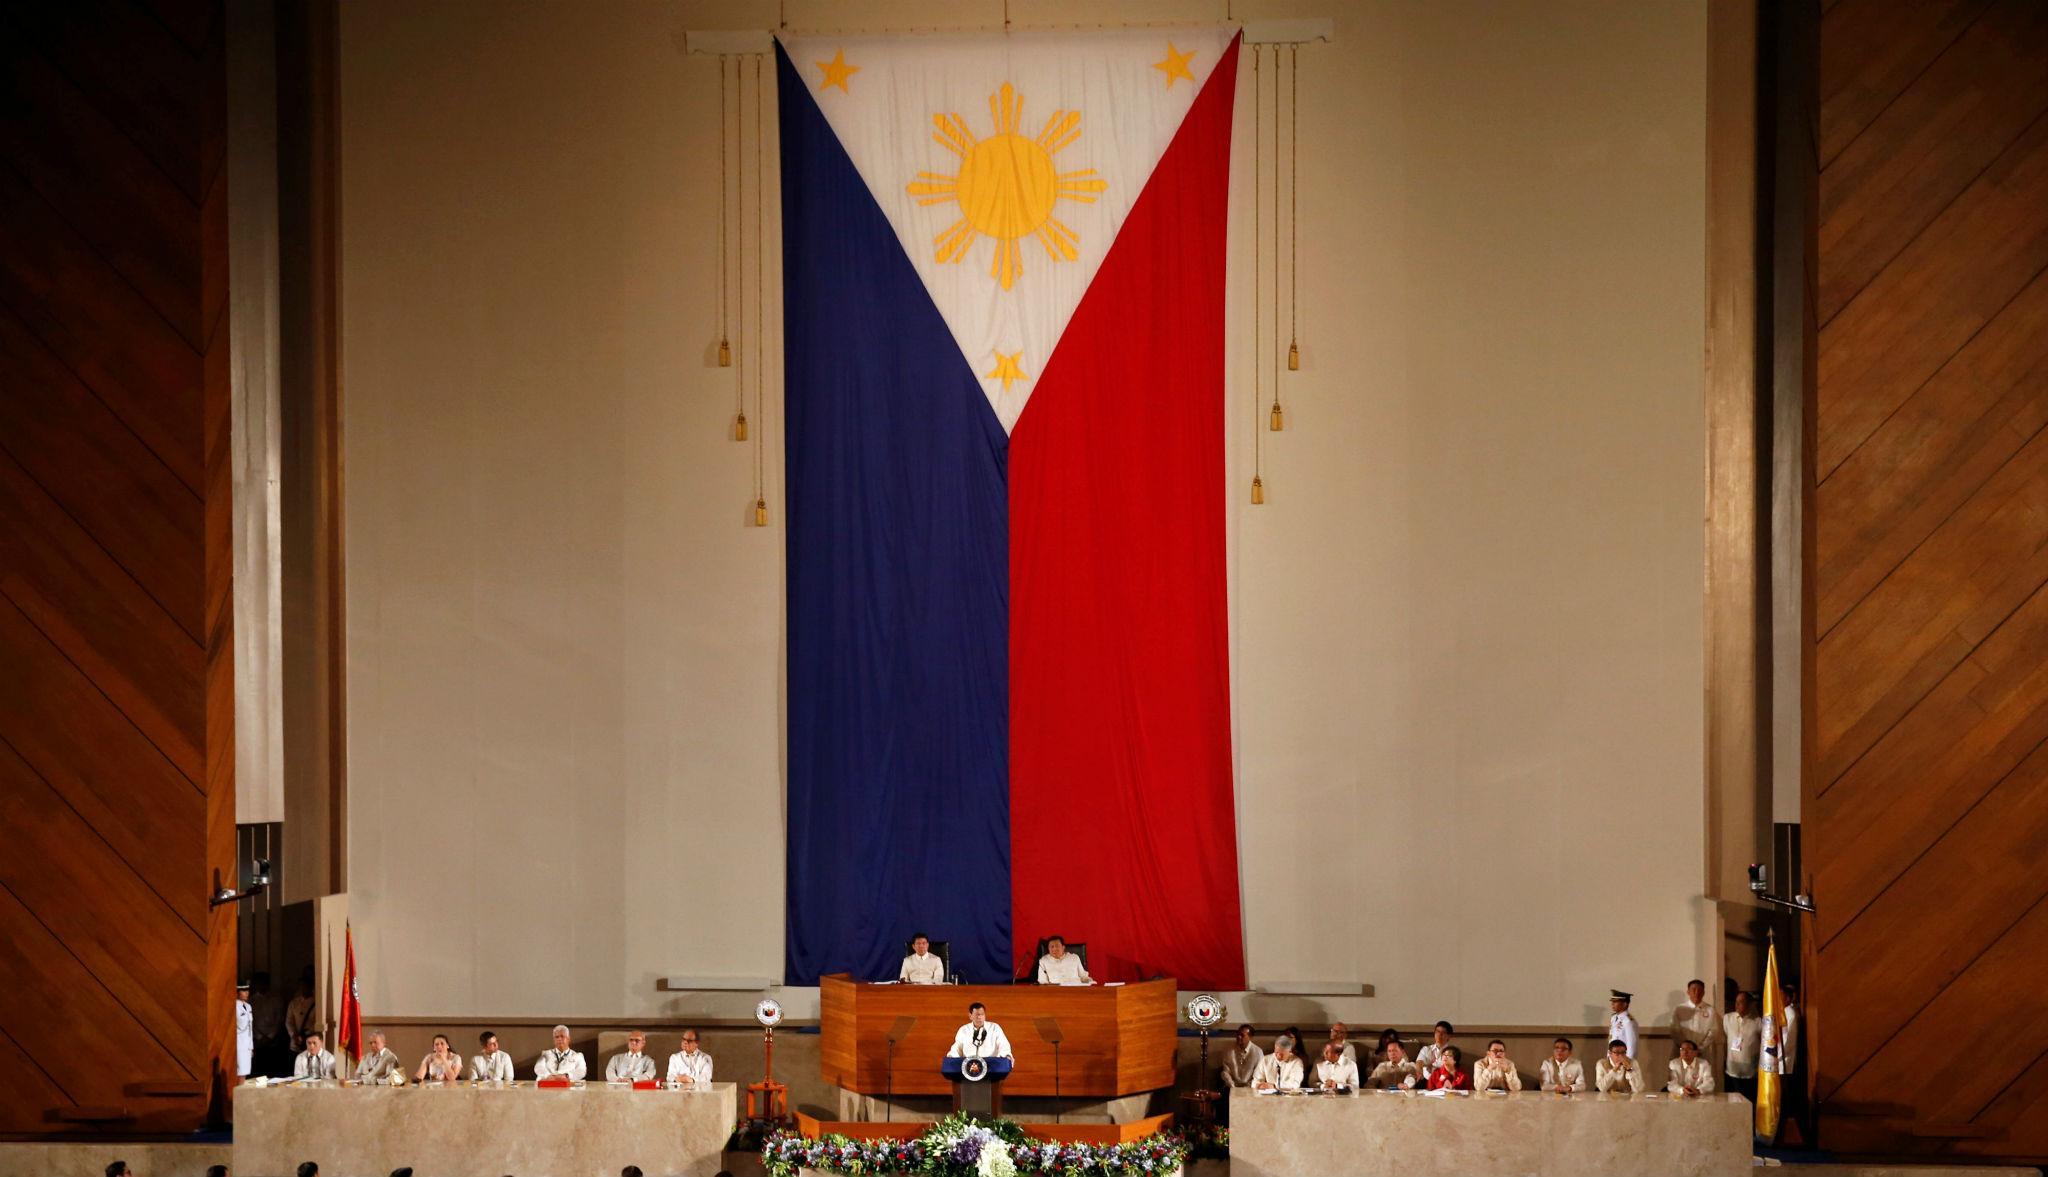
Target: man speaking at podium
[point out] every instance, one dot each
(979, 1038)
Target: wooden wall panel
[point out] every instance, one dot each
(116, 739)
(1926, 819)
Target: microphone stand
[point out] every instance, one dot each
(1049, 1031)
(897, 1033)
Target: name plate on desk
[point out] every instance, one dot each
(552, 1081)
(645, 1085)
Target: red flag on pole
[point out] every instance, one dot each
(350, 1035)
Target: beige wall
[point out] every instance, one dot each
(1466, 626)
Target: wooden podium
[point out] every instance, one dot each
(1118, 1040)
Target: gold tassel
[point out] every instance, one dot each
(1258, 490)
(760, 512)
(739, 427)
(725, 353)
(1293, 360)
(1273, 422)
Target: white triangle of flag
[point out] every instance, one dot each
(1007, 164)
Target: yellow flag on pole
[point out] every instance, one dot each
(1770, 1064)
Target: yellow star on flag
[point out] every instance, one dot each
(1007, 369)
(836, 72)
(1175, 65)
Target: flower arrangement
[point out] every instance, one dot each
(962, 1146)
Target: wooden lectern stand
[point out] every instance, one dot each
(1115, 1039)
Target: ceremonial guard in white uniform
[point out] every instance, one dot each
(979, 1038)
(1561, 1072)
(1279, 1071)
(633, 1066)
(561, 1061)
(379, 1064)
(922, 966)
(1060, 967)
(245, 1031)
(313, 1062)
(1622, 1025)
(493, 1065)
(691, 1066)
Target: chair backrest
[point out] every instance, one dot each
(943, 949)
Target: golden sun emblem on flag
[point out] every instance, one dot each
(1007, 186)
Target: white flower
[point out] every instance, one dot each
(995, 1160)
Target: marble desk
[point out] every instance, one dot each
(481, 1130)
(1526, 1133)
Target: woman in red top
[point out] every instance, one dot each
(1451, 1072)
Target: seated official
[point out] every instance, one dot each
(922, 966)
(1241, 1061)
(1690, 1074)
(379, 1065)
(1335, 1072)
(979, 1038)
(1279, 1071)
(1450, 1073)
(313, 1062)
(442, 1064)
(561, 1062)
(1292, 1034)
(1495, 1072)
(633, 1066)
(1341, 1035)
(1561, 1072)
(1396, 1073)
(1060, 967)
(1618, 1074)
(493, 1065)
(689, 1067)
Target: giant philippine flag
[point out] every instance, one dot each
(1009, 710)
